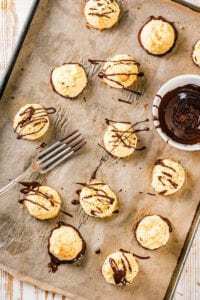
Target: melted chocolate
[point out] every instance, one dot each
(179, 114)
(75, 202)
(98, 251)
(164, 20)
(55, 262)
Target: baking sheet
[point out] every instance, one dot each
(53, 39)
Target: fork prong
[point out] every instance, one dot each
(73, 138)
(54, 158)
(68, 136)
(53, 153)
(62, 156)
(49, 149)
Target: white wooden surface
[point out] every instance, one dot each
(12, 16)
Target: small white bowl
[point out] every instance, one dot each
(165, 88)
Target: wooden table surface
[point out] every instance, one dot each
(12, 17)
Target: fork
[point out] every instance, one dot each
(50, 157)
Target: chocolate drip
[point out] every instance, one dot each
(66, 213)
(75, 202)
(136, 255)
(179, 114)
(151, 194)
(124, 101)
(55, 262)
(98, 251)
(141, 149)
(93, 176)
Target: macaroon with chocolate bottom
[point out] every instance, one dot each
(42, 202)
(157, 36)
(98, 200)
(120, 268)
(65, 245)
(32, 121)
(168, 176)
(101, 14)
(153, 232)
(69, 80)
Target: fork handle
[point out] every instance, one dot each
(15, 181)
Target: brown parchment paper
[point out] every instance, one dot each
(59, 34)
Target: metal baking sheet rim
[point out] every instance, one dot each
(180, 4)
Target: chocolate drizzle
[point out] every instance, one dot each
(54, 261)
(126, 137)
(101, 196)
(104, 10)
(34, 117)
(167, 176)
(109, 77)
(93, 176)
(33, 188)
(179, 114)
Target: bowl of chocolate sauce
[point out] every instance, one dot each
(176, 112)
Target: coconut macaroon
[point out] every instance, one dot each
(69, 80)
(66, 244)
(32, 121)
(120, 139)
(101, 14)
(168, 176)
(120, 268)
(157, 36)
(98, 200)
(121, 71)
(153, 232)
(196, 53)
(42, 202)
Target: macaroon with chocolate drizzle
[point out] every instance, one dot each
(153, 232)
(157, 36)
(120, 268)
(32, 121)
(101, 14)
(120, 72)
(65, 246)
(97, 199)
(42, 202)
(120, 139)
(168, 176)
